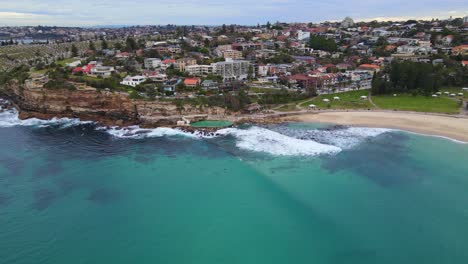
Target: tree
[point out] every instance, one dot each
(408, 77)
(118, 46)
(130, 44)
(92, 46)
(268, 25)
(74, 51)
(179, 105)
(250, 73)
(322, 43)
(104, 44)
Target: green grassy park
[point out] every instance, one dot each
(348, 100)
(419, 103)
(401, 102)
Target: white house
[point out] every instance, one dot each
(133, 80)
(152, 63)
(103, 71)
(302, 35)
(73, 64)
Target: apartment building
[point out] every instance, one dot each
(232, 69)
(199, 70)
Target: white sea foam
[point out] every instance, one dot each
(138, 133)
(436, 136)
(9, 118)
(344, 138)
(259, 139)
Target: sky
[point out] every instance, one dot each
(212, 12)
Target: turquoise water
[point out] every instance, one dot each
(212, 123)
(77, 194)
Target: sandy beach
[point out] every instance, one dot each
(429, 124)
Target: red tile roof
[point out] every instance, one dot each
(85, 69)
(191, 81)
(168, 61)
(369, 66)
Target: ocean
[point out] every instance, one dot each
(74, 192)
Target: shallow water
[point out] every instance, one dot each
(290, 193)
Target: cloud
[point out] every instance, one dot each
(144, 12)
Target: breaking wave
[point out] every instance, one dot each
(259, 139)
(9, 118)
(136, 132)
(339, 136)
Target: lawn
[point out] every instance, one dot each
(63, 62)
(348, 100)
(35, 71)
(419, 103)
(263, 90)
(287, 108)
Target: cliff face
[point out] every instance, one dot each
(101, 106)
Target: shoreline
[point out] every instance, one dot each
(445, 126)
(453, 127)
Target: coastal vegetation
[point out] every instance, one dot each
(19, 73)
(407, 77)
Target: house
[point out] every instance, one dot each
(167, 63)
(156, 76)
(85, 69)
(303, 35)
(133, 80)
(343, 66)
(181, 64)
(170, 85)
(233, 54)
(262, 70)
(210, 85)
(192, 82)
(122, 55)
(102, 71)
(460, 50)
(447, 40)
(465, 63)
(304, 81)
(152, 63)
(73, 64)
(305, 59)
(247, 46)
(221, 48)
(369, 67)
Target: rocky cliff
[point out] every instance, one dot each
(110, 108)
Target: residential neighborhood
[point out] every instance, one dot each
(186, 61)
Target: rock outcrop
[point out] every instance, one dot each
(109, 108)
